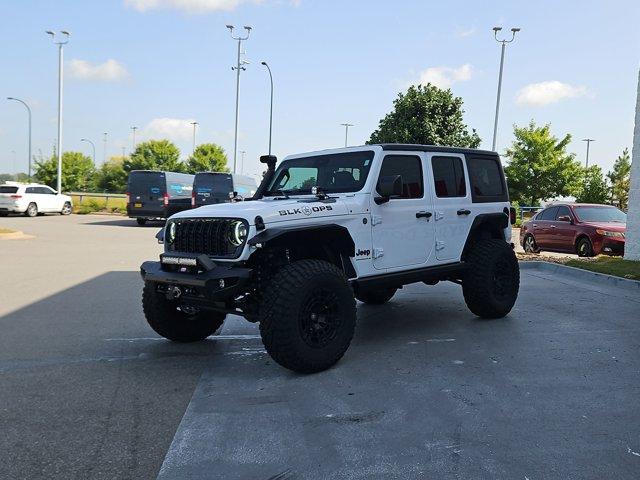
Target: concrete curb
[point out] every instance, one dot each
(632, 286)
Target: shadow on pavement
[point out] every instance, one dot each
(128, 222)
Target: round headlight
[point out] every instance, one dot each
(171, 232)
(238, 233)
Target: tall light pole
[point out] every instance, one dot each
(60, 44)
(271, 107)
(104, 147)
(93, 146)
(123, 152)
(193, 149)
(504, 44)
(239, 66)
(242, 152)
(588, 140)
(346, 132)
(29, 112)
(133, 129)
(13, 161)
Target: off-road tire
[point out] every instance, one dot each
(169, 322)
(4, 214)
(32, 210)
(290, 334)
(530, 245)
(376, 296)
(66, 209)
(141, 221)
(584, 248)
(491, 282)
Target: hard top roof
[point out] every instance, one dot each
(432, 148)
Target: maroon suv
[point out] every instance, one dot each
(580, 228)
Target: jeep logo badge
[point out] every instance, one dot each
(306, 210)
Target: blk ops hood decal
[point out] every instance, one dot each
(305, 210)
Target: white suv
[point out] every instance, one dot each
(32, 199)
(330, 227)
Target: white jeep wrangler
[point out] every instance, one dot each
(325, 228)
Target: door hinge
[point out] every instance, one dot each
(440, 245)
(439, 216)
(378, 252)
(376, 219)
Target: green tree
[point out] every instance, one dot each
(155, 155)
(539, 166)
(426, 114)
(594, 186)
(77, 172)
(620, 180)
(208, 157)
(111, 177)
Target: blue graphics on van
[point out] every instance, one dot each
(203, 190)
(155, 190)
(178, 189)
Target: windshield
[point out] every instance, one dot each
(600, 214)
(334, 173)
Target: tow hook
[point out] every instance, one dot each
(173, 292)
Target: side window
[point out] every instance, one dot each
(46, 191)
(448, 176)
(563, 212)
(410, 168)
(31, 190)
(485, 177)
(548, 214)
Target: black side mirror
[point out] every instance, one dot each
(388, 187)
(565, 218)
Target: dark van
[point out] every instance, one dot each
(157, 195)
(215, 187)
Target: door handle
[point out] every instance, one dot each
(553, 226)
(423, 214)
(464, 212)
(535, 224)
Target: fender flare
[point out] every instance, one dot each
(334, 236)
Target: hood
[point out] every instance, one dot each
(271, 210)
(611, 226)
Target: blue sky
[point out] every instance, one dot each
(159, 64)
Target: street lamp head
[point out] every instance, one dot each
(49, 32)
(264, 63)
(497, 29)
(64, 32)
(10, 98)
(230, 27)
(247, 28)
(514, 30)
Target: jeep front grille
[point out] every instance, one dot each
(210, 236)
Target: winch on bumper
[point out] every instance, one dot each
(195, 278)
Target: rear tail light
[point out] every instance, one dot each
(165, 199)
(513, 217)
(128, 197)
(16, 196)
(193, 199)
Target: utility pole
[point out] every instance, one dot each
(239, 66)
(104, 147)
(242, 152)
(29, 125)
(193, 149)
(60, 85)
(346, 132)
(271, 107)
(504, 44)
(93, 146)
(123, 152)
(588, 140)
(133, 129)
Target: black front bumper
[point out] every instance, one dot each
(216, 283)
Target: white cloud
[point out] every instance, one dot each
(444, 77)
(466, 33)
(189, 6)
(176, 129)
(545, 93)
(109, 71)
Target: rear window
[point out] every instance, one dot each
(215, 184)
(147, 183)
(486, 179)
(8, 189)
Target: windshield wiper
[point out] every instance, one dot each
(280, 192)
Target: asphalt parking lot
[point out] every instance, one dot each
(88, 391)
